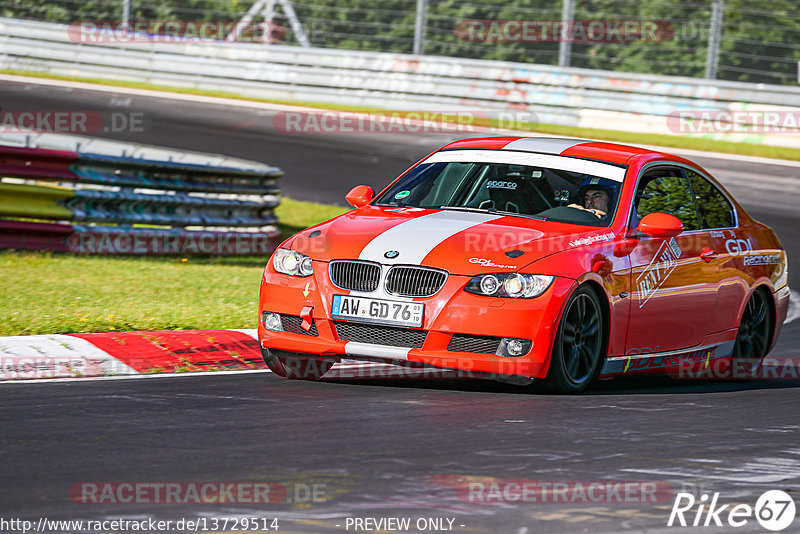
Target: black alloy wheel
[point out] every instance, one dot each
(753, 336)
(579, 344)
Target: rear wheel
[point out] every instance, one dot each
(752, 338)
(579, 344)
(296, 366)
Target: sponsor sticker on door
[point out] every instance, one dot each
(655, 274)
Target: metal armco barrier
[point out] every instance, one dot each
(33, 201)
(139, 206)
(35, 236)
(557, 95)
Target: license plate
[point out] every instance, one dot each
(377, 311)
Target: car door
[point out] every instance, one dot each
(727, 242)
(673, 288)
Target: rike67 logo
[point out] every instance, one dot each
(774, 510)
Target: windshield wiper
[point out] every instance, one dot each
(466, 208)
(492, 211)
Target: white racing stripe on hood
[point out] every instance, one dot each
(416, 238)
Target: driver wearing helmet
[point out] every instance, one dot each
(594, 198)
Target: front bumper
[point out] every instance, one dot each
(452, 311)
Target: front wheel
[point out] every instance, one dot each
(296, 366)
(579, 344)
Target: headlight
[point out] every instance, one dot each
(290, 262)
(489, 284)
(513, 285)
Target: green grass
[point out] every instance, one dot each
(295, 215)
(672, 141)
(57, 293)
(45, 293)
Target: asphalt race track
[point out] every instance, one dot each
(393, 448)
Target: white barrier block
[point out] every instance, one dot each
(55, 356)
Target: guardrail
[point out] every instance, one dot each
(557, 95)
(134, 205)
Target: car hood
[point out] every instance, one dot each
(461, 242)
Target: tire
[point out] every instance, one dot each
(753, 335)
(296, 366)
(579, 344)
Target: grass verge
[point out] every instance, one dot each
(45, 293)
(295, 215)
(672, 141)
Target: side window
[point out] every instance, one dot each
(667, 191)
(714, 209)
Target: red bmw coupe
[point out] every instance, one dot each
(522, 259)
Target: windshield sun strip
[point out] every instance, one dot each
(531, 159)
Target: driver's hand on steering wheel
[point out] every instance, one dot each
(596, 212)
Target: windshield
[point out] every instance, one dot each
(507, 188)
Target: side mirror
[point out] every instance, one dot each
(360, 195)
(625, 247)
(660, 225)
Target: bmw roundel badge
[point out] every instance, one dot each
(391, 254)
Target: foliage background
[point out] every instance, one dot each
(760, 40)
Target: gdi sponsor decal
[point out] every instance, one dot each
(774, 510)
(664, 262)
(737, 247)
(485, 262)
